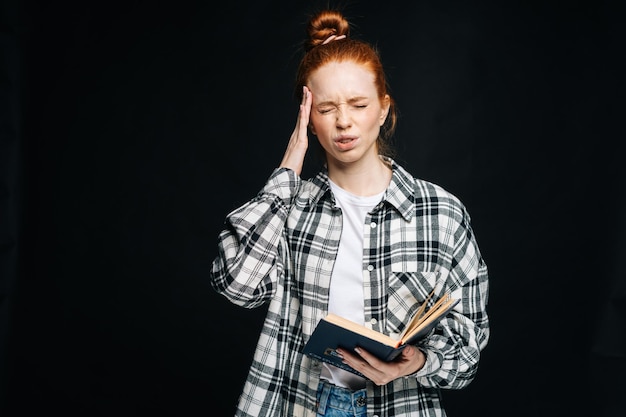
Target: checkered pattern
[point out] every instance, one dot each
(279, 248)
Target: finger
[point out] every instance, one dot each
(356, 361)
(409, 352)
(369, 358)
(359, 358)
(303, 117)
(348, 355)
(298, 142)
(370, 366)
(307, 101)
(305, 112)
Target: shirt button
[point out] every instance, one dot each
(373, 321)
(370, 267)
(373, 225)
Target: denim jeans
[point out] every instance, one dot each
(334, 401)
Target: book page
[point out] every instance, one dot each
(416, 318)
(437, 312)
(357, 328)
(434, 309)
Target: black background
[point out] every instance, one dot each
(141, 125)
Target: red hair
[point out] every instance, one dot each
(317, 54)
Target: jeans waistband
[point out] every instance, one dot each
(329, 395)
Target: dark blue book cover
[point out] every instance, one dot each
(333, 332)
(328, 336)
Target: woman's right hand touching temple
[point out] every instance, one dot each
(299, 141)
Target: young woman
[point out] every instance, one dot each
(363, 239)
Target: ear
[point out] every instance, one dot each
(312, 128)
(384, 111)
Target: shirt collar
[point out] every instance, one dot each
(400, 194)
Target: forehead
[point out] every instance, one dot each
(342, 80)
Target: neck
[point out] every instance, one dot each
(364, 179)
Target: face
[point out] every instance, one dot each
(346, 114)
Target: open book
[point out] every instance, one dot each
(334, 331)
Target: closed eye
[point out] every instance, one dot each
(325, 110)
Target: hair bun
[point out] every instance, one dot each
(325, 24)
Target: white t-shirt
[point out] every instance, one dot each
(346, 297)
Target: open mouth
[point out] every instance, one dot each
(346, 142)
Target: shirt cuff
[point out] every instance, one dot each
(283, 183)
(430, 366)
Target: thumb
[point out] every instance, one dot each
(409, 351)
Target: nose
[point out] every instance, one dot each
(343, 118)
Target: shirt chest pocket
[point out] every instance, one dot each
(407, 291)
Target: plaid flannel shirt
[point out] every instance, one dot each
(279, 248)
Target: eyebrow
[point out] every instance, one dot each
(352, 100)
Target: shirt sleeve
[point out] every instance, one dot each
(251, 245)
(455, 345)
